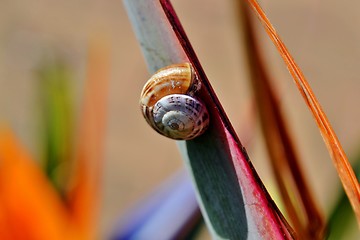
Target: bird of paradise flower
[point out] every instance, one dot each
(32, 205)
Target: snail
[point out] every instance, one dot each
(168, 104)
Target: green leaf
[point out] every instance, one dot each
(233, 201)
(56, 120)
(342, 218)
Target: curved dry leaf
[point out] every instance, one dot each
(342, 165)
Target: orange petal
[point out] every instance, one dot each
(84, 196)
(29, 206)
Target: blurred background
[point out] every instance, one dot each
(323, 37)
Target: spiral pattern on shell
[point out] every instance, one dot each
(168, 104)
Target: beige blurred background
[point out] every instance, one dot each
(323, 36)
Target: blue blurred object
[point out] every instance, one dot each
(170, 212)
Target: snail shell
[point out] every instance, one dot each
(168, 105)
